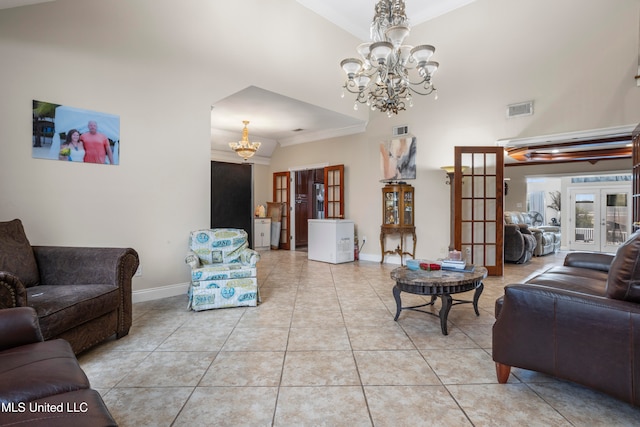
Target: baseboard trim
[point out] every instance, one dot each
(389, 259)
(159, 292)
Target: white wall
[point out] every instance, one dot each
(547, 186)
(161, 64)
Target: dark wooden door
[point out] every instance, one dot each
(232, 196)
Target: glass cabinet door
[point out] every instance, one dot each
(397, 205)
(391, 211)
(408, 207)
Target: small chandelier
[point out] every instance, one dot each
(244, 148)
(381, 79)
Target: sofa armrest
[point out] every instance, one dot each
(591, 260)
(60, 265)
(549, 228)
(250, 257)
(524, 229)
(192, 259)
(569, 335)
(12, 291)
(18, 326)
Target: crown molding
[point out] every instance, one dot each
(323, 134)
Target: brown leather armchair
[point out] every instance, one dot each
(579, 322)
(41, 382)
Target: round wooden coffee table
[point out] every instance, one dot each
(440, 284)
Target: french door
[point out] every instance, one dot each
(333, 199)
(599, 218)
(478, 217)
(334, 192)
(281, 194)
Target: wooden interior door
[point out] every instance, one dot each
(479, 222)
(334, 192)
(281, 194)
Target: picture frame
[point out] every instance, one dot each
(398, 158)
(74, 135)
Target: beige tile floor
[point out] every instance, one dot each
(323, 350)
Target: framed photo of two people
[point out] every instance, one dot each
(74, 135)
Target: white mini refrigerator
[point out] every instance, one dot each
(331, 240)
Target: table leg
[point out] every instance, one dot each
(444, 312)
(396, 295)
(414, 244)
(476, 297)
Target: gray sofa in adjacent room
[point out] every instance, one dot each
(547, 236)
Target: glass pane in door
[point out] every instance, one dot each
(616, 218)
(408, 208)
(391, 216)
(584, 218)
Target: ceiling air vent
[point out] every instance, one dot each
(400, 130)
(521, 109)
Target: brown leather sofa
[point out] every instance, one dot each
(579, 322)
(41, 382)
(82, 295)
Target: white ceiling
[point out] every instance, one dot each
(274, 119)
(273, 116)
(355, 16)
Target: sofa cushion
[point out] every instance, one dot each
(218, 245)
(16, 255)
(62, 307)
(42, 369)
(623, 282)
(572, 279)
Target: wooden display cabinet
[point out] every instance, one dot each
(398, 217)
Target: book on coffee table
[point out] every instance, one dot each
(455, 265)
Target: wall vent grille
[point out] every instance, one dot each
(520, 109)
(400, 130)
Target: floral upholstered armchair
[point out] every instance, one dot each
(223, 269)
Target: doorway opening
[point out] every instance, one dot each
(593, 211)
(316, 192)
(600, 218)
(309, 203)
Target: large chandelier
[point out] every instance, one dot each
(382, 78)
(244, 148)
